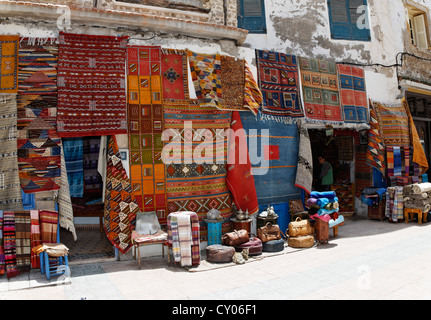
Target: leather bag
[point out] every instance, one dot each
(269, 232)
(254, 247)
(219, 254)
(235, 238)
(299, 228)
(301, 242)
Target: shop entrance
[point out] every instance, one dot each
(338, 148)
(87, 202)
(420, 108)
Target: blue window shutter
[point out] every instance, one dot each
(339, 19)
(251, 15)
(343, 18)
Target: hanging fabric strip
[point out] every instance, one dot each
(397, 162)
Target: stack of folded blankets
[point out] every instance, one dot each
(418, 196)
(324, 206)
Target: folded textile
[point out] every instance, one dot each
(52, 249)
(328, 194)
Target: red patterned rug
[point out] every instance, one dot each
(91, 85)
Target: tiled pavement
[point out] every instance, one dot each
(369, 260)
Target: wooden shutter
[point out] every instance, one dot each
(355, 17)
(420, 32)
(339, 19)
(251, 15)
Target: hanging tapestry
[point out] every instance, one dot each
(48, 226)
(394, 124)
(419, 156)
(35, 239)
(174, 74)
(253, 97)
(273, 150)
(38, 142)
(9, 243)
(376, 149)
(145, 125)
(320, 90)
(120, 205)
(279, 81)
(2, 256)
(10, 188)
(23, 240)
(91, 85)
(394, 203)
(205, 70)
(9, 64)
(195, 157)
(363, 172)
(304, 170)
(239, 177)
(65, 208)
(353, 95)
(74, 158)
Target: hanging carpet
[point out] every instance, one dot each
(304, 170)
(9, 64)
(353, 95)
(320, 90)
(376, 148)
(23, 240)
(273, 150)
(195, 157)
(145, 126)
(10, 188)
(174, 74)
(279, 81)
(120, 205)
(38, 142)
(9, 244)
(239, 177)
(91, 85)
(394, 124)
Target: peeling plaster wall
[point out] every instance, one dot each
(301, 27)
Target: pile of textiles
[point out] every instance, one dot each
(417, 196)
(324, 206)
(183, 237)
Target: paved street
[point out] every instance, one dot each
(369, 260)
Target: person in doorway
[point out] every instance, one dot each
(326, 177)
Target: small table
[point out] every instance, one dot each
(409, 213)
(214, 231)
(242, 224)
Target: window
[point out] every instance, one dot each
(418, 27)
(251, 15)
(349, 20)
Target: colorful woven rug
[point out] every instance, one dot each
(91, 85)
(10, 188)
(273, 149)
(353, 94)
(2, 255)
(304, 171)
(195, 155)
(363, 172)
(174, 74)
(183, 236)
(35, 238)
(38, 142)
(279, 81)
(146, 124)
(9, 244)
(376, 148)
(205, 70)
(394, 124)
(120, 205)
(232, 83)
(9, 64)
(419, 156)
(74, 158)
(239, 177)
(23, 240)
(48, 221)
(320, 90)
(253, 97)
